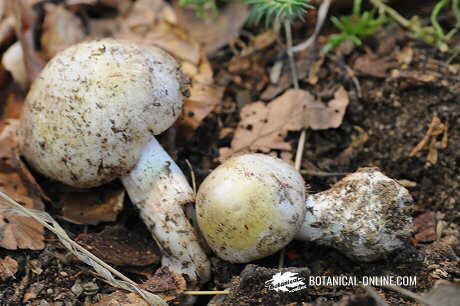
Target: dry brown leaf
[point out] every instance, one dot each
(26, 20)
(143, 16)
(264, 127)
(120, 246)
(405, 56)
(8, 129)
(167, 284)
(430, 140)
(315, 67)
(203, 100)
(215, 33)
(201, 73)
(169, 37)
(425, 226)
(61, 29)
(16, 232)
(318, 116)
(204, 96)
(8, 268)
(6, 31)
(414, 77)
(373, 65)
(92, 207)
(121, 298)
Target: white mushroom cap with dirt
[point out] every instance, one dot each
(90, 117)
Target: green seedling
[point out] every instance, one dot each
(354, 27)
(273, 11)
(432, 34)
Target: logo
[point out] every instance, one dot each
(286, 282)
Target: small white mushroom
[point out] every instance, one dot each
(91, 116)
(13, 61)
(249, 206)
(366, 216)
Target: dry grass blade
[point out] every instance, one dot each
(103, 269)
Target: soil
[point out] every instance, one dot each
(394, 111)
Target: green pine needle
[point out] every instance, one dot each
(277, 10)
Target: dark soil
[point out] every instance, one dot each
(394, 111)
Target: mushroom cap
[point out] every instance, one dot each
(95, 106)
(250, 207)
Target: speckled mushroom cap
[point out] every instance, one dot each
(250, 207)
(95, 106)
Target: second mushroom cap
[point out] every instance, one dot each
(250, 207)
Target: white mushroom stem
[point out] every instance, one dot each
(159, 189)
(366, 216)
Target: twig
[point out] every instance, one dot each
(103, 269)
(354, 79)
(295, 78)
(322, 14)
(300, 148)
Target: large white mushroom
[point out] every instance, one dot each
(90, 117)
(253, 205)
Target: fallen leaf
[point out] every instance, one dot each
(425, 226)
(202, 101)
(26, 20)
(204, 96)
(16, 232)
(214, 33)
(430, 141)
(33, 291)
(167, 284)
(319, 116)
(6, 31)
(61, 29)
(119, 246)
(404, 57)
(92, 207)
(315, 67)
(201, 73)
(165, 35)
(370, 64)
(264, 127)
(121, 298)
(414, 77)
(8, 268)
